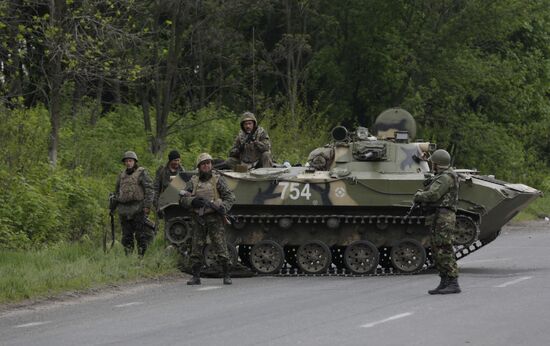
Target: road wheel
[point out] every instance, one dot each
(361, 257)
(267, 257)
(210, 257)
(408, 256)
(466, 231)
(314, 257)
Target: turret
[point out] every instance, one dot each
(391, 148)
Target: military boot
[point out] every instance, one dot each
(226, 277)
(451, 287)
(196, 279)
(141, 251)
(442, 284)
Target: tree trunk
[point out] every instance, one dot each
(166, 85)
(55, 81)
(55, 110)
(98, 96)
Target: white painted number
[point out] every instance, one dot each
(305, 192)
(295, 192)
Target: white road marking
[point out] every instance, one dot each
(208, 288)
(32, 324)
(128, 304)
(372, 324)
(523, 278)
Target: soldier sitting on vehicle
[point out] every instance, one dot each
(252, 146)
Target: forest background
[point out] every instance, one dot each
(83, 81)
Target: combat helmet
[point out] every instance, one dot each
(441, 158)
(130, 155)
(248, 116)
(203, 157)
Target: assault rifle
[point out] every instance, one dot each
(112, 207)
(251, 137)
(227, 218)
(414, 206)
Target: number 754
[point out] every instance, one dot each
(295, 190)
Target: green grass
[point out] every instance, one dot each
(76, 267)
(536, 210)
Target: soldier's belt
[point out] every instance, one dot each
(207, 211)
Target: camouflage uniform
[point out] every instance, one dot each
(210, 223)
(163, 177)
(251, 149)
(441, 197)
(134, 191)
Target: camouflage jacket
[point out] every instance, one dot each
(163, 177)
(441, 192)
(252, 151)
(226, 196)
(134, 207)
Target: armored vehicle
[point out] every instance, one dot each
(348, 210)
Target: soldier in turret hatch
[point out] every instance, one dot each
(134, 196)
(252, 146)
(440, 197)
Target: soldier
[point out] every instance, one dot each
(165, 174)
(134, 195)
(441, 197)
(209, 197)
(252, 146)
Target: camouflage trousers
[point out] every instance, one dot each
(442, 243)
(265, 160)
(213, 228)
(135, 228)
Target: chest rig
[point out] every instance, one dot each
(130, 189)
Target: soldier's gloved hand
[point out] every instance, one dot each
(416, 198)
(198, 202)
(219, 206)
(235, 152)
(146, 211)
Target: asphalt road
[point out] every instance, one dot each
(505, 301)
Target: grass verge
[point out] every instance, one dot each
(539, 209)
(75, 267)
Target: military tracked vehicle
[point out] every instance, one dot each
(348, 210)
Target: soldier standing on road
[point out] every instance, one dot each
(165, 174)
(209, 197)
(252, 146)
(134, 195)
(441, 197)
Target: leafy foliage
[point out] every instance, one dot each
(83, 81)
